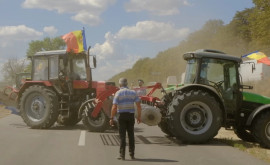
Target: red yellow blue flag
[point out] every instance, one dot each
(75, 41)
(259, 56)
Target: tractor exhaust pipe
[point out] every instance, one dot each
(88, 69)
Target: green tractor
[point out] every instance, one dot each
(212, 97)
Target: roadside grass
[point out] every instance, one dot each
(250, 148)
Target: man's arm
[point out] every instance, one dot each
(113, 113)
(139, 109)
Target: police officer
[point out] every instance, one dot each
(123, 104)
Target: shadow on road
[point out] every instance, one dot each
(154, 160)
(62, 127)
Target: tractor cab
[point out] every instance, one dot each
(67, 71)
(217, 71)
(48, 65)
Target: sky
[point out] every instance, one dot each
(119, 31)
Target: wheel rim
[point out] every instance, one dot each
(35, 107)
(196, 117)
(98, 121)
(267, 130)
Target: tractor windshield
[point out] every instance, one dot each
(79, 68)
(40, 71)
(191, 68)
(211, 71)
(218, 73)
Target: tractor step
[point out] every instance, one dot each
(64, 108)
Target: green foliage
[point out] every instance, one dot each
(248, 31)
(11, 68)
(260, 22)
(45, 45)
(240, 25)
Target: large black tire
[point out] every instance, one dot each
(39, 107)
(261, 129)
(194, 117)
(72, 120)
(244, 134)
(98, 124)
(163, 125)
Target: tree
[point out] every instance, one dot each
(212, 27)
(260, 22)
(45, 45)
(11, 68)
(240, 25)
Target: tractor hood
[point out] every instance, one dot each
(182, 86)
(173, 87)
(252, 97)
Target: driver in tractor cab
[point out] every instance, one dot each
(41, 71)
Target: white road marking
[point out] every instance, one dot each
(82, 139)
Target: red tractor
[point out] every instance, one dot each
(61, 89)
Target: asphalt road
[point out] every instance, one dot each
(20, 145)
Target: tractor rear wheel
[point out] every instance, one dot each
(261, 129)
(194, 116)
(39, 107)
(97, 124)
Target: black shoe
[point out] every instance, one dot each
(121, 157)
(132, 157)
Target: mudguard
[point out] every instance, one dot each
(256, 112)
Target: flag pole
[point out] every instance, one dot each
(84, 40)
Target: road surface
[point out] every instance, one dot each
(20, 145)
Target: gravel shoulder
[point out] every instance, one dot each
(229, 137)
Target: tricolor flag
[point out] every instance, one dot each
(75, 41)
(259, 56)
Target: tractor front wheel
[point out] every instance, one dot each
(39, 107)
(261, 129)
(97, 124)
(163, 125)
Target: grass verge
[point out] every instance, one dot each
(251, 148)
